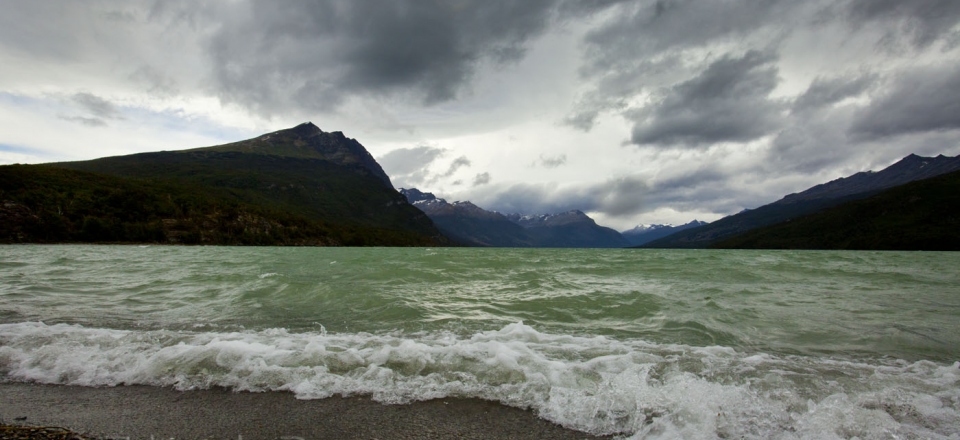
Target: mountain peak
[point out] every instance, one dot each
(310, 142)
(414, 195)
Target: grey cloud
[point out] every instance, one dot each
(316, 54)
(96, 105)
(917, 22)
(481, 179)
(409, 160)
(642, 29)
(615, 87)
(156, 82)
(90, 122)
(620, 197)
(408, 167)
(458, 163)
(99, 110)
(923, 100)
(727, 102)
(647, 45)
(827, 91)
(552, 161)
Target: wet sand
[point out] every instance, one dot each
(141, 412)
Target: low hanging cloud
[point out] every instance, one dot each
(619, 197)
(411, 167)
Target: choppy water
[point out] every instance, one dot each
(640, 343)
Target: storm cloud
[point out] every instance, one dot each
(317, 54)
(915, 102)
(635, 110)
(728, 102)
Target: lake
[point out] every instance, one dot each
(642, 343)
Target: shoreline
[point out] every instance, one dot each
(145, 412)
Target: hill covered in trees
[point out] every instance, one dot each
(299, 186)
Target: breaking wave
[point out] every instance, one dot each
(595, 384)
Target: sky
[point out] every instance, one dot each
(635, 112)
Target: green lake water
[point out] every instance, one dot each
(639, 343)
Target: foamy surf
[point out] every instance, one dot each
(595, 384)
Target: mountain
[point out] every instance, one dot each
(303, 174)
(307, 141)
(471, 225)
(571, 229)
(468, 224)
(921, 215)
(642, 234)
(858, 186)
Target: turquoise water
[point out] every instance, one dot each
(641, 343)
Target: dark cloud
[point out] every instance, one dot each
(644, 42)
(643, 29)
(457, 163)
(315, 54)
(481, 179)
(827, 91)
(728, 102)
(917, 22)
(918, 101)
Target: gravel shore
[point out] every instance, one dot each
(141, 412)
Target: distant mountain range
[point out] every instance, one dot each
(471, 225)
(304, 186)
(643, 234)
(299, 186)
(837, 192)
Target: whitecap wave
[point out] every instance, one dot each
(590, 383)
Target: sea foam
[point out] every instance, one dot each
(595, 384)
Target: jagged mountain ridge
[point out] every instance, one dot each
(475, 226)
(319, 178)
(858, 186)
(468, 224)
